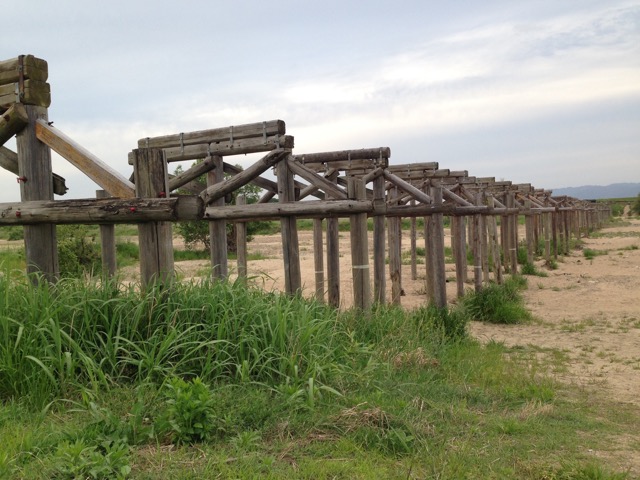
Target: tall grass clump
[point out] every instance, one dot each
(498, 303)
(59, 340)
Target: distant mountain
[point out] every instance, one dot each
(595, 192)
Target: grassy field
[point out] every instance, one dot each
(217, 380)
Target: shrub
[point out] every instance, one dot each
(78, 252)
(498, 303)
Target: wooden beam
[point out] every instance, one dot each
(317, 180)
(30, 92)
(407, 187)
(231, 133)
(12, 121)
(227, 148)
(9, 161)
(191, 174)
(218, 190)
(102, 211)
(381, 154)
(25, 66)
(98, 171)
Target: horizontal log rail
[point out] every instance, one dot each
(102, 211)
(231, 133)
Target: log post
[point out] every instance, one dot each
(36, 183)
(530, 232)
(478, 252)
(413, 246)
(513, 235)
(318, 258)
(379, 250)
(359, 248)
(217, 228)
(394, 234)
(107, 243)
(495, 247)
(155, 238)
(241, 242)
(289, 230)
(458, 245)
(437, 251)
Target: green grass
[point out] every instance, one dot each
(219, 380)
(498, 303)
(590, 253)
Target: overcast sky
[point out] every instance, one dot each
(544, 92)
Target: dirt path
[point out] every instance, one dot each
(590, 311)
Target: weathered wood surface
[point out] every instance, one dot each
(223, 134)
(318, 259)
(241, 242)
(155, 238)
(317, 180)
(407, 187)
(107, 244)
(437, 252)
(12, 121)
(9, 161)
(379, 246)
(34, 167)
(97, 170)
(381, 154)
(103, 211)
(237, 147)
(191, 174)
(219, 190)
(31, 92)
(394, 238)
(32, 68)
(360, 270)
(218, 228)
(289, 231)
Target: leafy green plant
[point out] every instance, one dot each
(76, 460)
(189, 410)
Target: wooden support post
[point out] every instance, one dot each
(493, 241)
(554, 234)
(414, 259)
(428, 258)
(318, 258)
(217, 228)
(155, 238)
(437, 252)
(547, 235)
(241, 242)
(289, 230)
(394, 228)
(107, 243)
(478, 252)
(530, 232)
(333, 262)
(513, 235)
(459, 248)
(359, 248)
(36, 183)
(379, 250)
